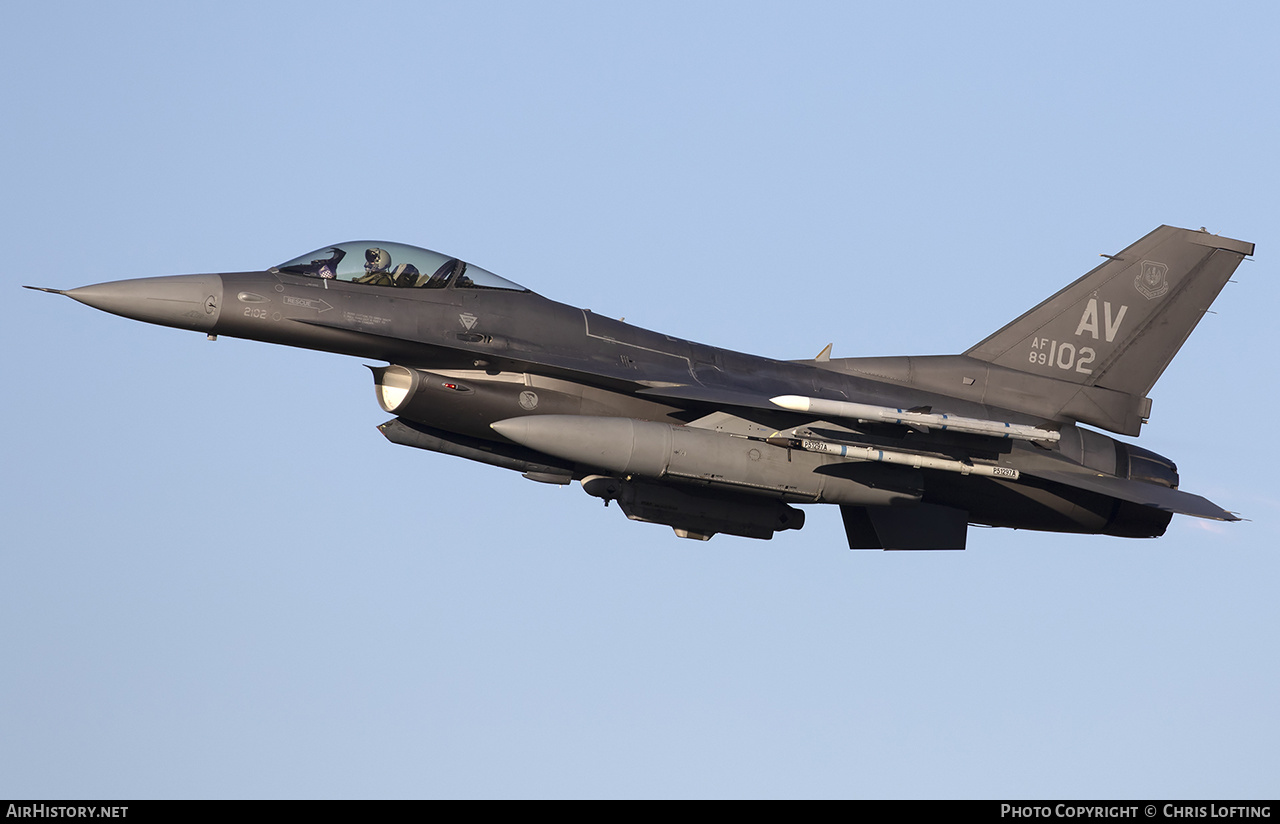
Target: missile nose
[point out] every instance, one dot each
(181, 301)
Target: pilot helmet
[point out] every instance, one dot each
(376, 260)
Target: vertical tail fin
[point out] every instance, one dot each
(1120, 325)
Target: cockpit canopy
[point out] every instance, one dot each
(378, 263)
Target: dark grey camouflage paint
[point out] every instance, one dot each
(685, 434)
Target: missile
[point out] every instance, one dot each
(870, 453)
(920, 420)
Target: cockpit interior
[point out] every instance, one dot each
(378, 263)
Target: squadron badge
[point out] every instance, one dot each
(1152, 280)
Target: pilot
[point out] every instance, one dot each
(377, 262)
(378, 270)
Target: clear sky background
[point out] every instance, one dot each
(221, 581)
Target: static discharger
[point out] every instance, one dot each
(920, 420)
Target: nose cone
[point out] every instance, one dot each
(181, 301)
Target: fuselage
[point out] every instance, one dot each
(501, 342)
(710, 440)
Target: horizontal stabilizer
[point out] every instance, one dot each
(1138, 492)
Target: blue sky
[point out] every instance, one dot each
(221, 581)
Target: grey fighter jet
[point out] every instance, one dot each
(706, 440)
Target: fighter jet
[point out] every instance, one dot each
(705, 440)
